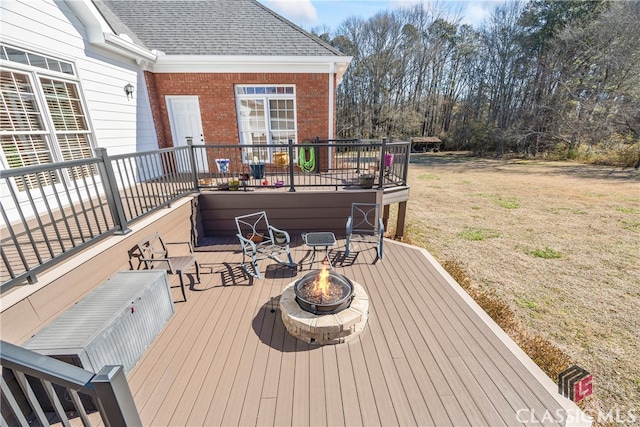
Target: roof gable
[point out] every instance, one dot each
(211, 27)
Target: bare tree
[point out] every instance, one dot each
(534, 75)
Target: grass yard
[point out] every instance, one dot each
(558, 242)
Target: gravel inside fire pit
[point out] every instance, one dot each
(311, 293)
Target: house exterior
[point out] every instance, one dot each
(132, 76)
(242, 71)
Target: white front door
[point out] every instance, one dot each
(184, 117)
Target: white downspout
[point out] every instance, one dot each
(332, 70)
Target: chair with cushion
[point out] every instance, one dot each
(153, 253)
(260, 240)
(365, 225)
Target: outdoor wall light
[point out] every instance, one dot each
(128, 89)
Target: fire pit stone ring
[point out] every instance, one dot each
(321, 329)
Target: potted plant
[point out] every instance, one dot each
(280, 238)
(366, 180)
(257, 168)
(233, 185)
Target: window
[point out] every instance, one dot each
(69, 123)
(42, 119)
(266, 115)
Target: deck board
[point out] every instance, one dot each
(333, 392)
(348, 391)
(241, 381)
(301, 386)
(317, 400)
(501, 378)
(366, 397)
(436, 345)
(218, 349)
(424, 358)
(381, 393)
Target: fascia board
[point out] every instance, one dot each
(100, 33)
(249, 64)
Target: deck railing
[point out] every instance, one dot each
(34, 386)
(55, 210)
(319, 163)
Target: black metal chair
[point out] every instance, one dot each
(260, 240)
(365, 225)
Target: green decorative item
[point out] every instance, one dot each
(304, 164)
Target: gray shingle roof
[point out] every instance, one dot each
(210, 27)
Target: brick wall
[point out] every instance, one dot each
(217, 102)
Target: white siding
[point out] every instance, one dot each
(50, 28)
(119, 125)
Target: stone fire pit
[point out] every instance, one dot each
(327, 324)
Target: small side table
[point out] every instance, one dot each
(319, 239)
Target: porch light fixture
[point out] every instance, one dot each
(128, 89)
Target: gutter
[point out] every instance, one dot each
(251, 63)
(123, 45)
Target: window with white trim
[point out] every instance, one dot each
(266, 115)
(42, 119)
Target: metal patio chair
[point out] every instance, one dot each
(260, 240)
(365, 225)
(153, 253)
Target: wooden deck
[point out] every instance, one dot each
(425, 357)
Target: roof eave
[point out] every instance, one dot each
(250, 64)
(102, 35)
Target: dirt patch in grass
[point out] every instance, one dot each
(557, 242)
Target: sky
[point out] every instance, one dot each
(331, 13)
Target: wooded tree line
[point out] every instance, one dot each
(536, 76)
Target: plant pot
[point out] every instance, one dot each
(388, 160)
(280, 238)
(281, 159)
(257, 171)
(255, 238)
(366, 181)
(233, 185)
(222, 165)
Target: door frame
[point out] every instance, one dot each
(201, 160)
